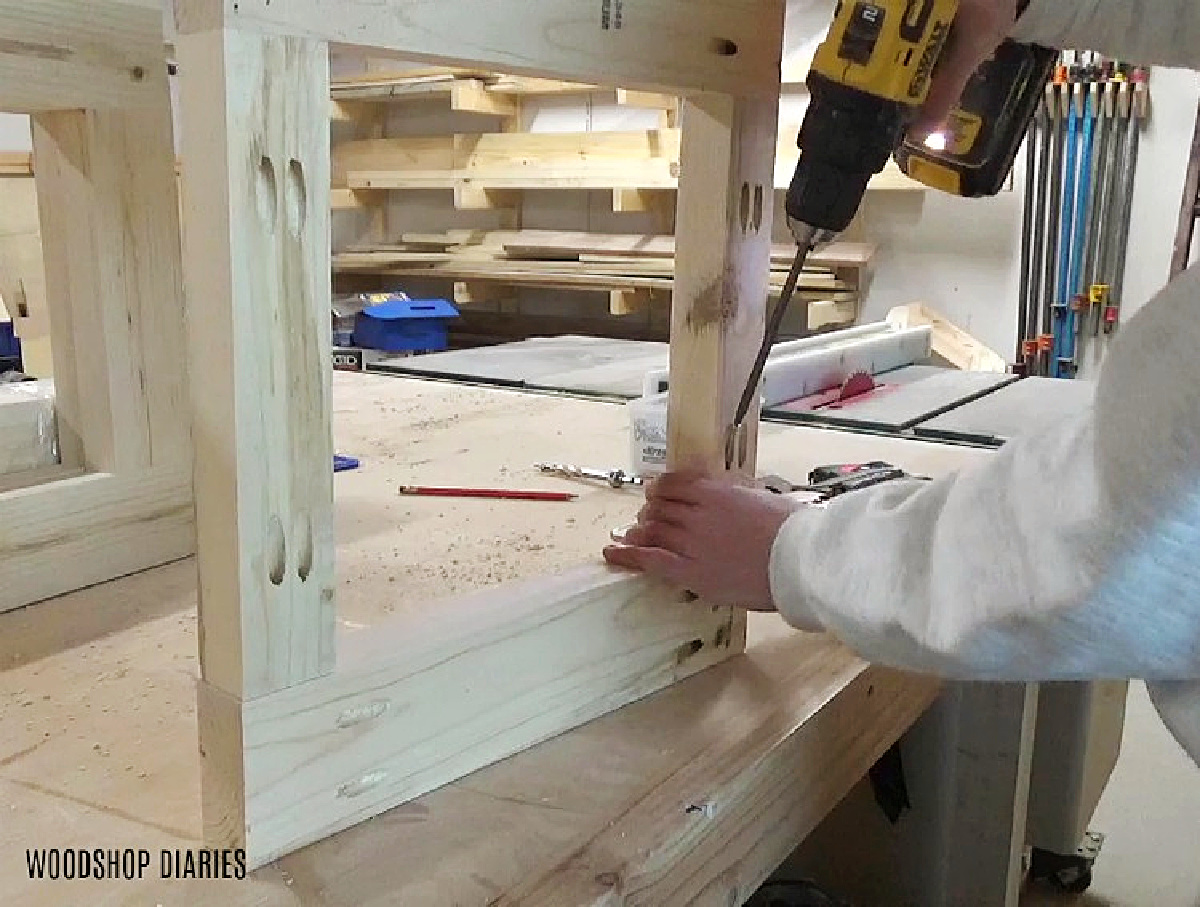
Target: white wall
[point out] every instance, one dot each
(14, 132)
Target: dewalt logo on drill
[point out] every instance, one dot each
(920, 80)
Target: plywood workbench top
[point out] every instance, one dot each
(670, 800)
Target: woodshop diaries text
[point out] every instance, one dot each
(68, 863)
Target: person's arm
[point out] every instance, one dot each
(1147, 32)
(1073, 554)
(1162, 32)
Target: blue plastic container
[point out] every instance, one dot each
(400, 325)
(10, 348)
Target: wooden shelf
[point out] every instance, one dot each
(636, 270)
(16, 163)
(642, 160)
(501, 160)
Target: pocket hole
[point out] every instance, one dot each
(297, 198)
(745, 208)
(306, 550)
(688, 649)
(759, 202)
(723, 47)
(276, 551)
(266, 191)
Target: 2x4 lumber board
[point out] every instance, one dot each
(466, 95)
(374, 88)
(71, 54)
(646, 100)
(16, 163)
(356, 199)
(549, 244)
(65, 535)
(474, 197)
(719, 827)
(698, 45)
(659, 202)
(420, 158)
(723, 257)
(256, 155)
(387, 72)
(429, 699)
(472, 96)
(586, 278)
(110, 235)
(604, 160)
(518, 86)
(500, 156)
(383, 86)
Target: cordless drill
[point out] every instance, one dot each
(869, 78)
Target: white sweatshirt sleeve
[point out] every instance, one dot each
(1073, 553)
(1163, 32)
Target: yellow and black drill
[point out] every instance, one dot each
(869, 78)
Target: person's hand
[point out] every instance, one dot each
(979, 28)
(708, 535)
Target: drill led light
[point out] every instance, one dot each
(936, 141)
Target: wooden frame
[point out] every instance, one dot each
(94, 78)
(301, 738)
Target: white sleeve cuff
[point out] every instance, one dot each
(788, 563)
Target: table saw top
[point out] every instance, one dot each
(985, 408)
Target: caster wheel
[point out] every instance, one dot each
(1067, 874)
(793, 894)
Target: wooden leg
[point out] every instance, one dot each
(256, 153)
(985, 836)
(723, 256)
(967, 768)
(723, 263)
(110, 235)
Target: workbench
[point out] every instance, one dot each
(690, 796)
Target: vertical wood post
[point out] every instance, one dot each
(256, 192)
(110, 234)
(723, 264)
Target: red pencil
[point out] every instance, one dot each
(427, 491)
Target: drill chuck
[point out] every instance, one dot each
(848, 136)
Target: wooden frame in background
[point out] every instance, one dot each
(94, 78)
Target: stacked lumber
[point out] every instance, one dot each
(644, 159)
(502, 158)
(635, 270)
(647, 159)
(441, 81)
(16, 163)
